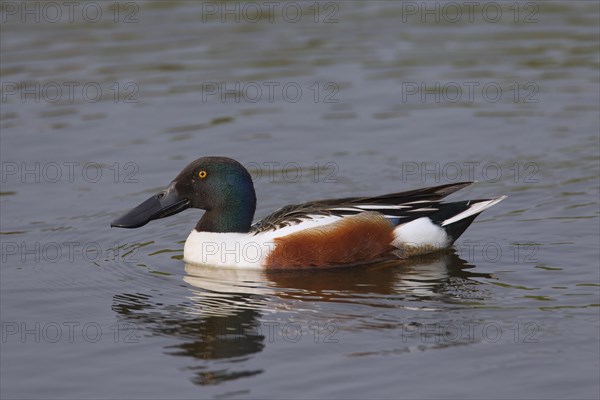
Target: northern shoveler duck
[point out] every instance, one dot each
(325, 233)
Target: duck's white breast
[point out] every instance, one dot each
(241, 250)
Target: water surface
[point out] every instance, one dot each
(386, 102)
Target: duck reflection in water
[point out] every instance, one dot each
(223, 318)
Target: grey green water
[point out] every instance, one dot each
(347, 98)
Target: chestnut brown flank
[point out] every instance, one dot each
(356, 239)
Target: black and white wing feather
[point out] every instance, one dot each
(399, 208)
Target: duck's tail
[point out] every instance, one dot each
(441, 228)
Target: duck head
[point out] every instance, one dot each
(219, 185)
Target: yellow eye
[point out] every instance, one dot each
(202, 174)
